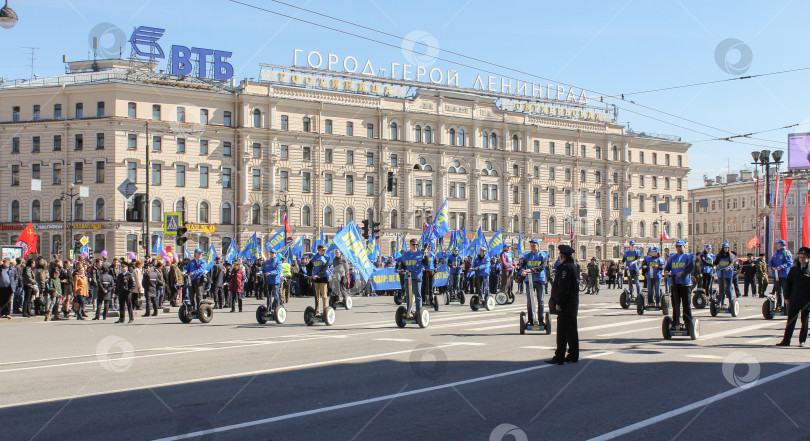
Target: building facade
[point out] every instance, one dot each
(236, 157)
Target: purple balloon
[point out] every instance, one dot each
(163, 253)
(131, 256)
(84, 254)
(104, 253)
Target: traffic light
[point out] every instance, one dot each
(181, 238)
(375, 229)
(76, 246)
(390, 181)
(365, 229)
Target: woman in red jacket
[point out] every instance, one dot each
(236, 285)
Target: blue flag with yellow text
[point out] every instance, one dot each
(210, 257)
(441, 224)
(231, 254)
(495, 244)
(349, 241)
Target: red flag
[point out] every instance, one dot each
(27, 240)
(753, 242)
(287, 225)
(805, 227)
(783, 217)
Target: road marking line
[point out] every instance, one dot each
(704, 356)
(538, 347)
(696, 405)
(394, 339)
(466, 343)
(735, 331)
(360, 402)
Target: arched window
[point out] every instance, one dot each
(100, 209)
(36, 211)
(327, 216)
(452, 136)
(515, 143)
(642, 229)
(515, 223)
(462, 141)
(178, 206)
(679, 230)
(156, 211)
(583, 226)
(655, 229)
(428, 135)
(227, 219)
(598, 231)
(615, 153)
(349, 216)
(394, 219)
(393, 131)
(306, 219)
(255, 214)
(257, 118)
(56, 210)
(15, 211)
(202, 215)
(485, 140)
(552, 225)
(306, 121)
(515, 170)
(78, 210)
(598, 152)
(493, 140)
(370, 214)
(615, 228)
(417, 133)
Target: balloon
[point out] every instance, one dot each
(84, 254)
(131, 256)
(104, 253)
(169, 249)
(168, 254)
(163, 253)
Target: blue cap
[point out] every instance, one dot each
(197, 250)
(726, 245)
(781, 242)
(682, 243)
(653, 249)
(632, 242)
(709, 246)
(534, 241)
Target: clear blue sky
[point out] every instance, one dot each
(611, 47)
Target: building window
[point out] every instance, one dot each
(393, 131)
(256, 176)
(226, 119)
(485, 140)
(327, 183)
(306, 218)
(35, 144)
(349, 218)
(349, 128)
(515, 143)
(132, 171)
(78, 142)
(285, 152)
(369, 158)
(369, 130)
(226, 148)
(328, 126)
(655, 158)
(157, 174)
(307, 153)
(36, 112)
(515, 170)
(537, 146)
(484, 190)
(15, 175)
(180, 176)
(428, 135)
(680, 161)
(132, 141)
(615, 201)
(56, 174)
(100, 109)
(567, 174)
(349, 184)
(417, 133)
(100, 210)
(79, 110)
(100, 172)
(284, 180)
(552, 196)
(394, 219)
(551, 173)
(181, 145)
(156, 112)
(583, 151)
(462, 140)
(306, 179)
(306, 123)
(203, 116)
(327, 216)
(255, 214)
(598, 177)
(515, 195)
(349, 157)
(203, 176)
(582, 176)
(56, 210)
(78, 172)
(78, 210)
(257, 118)
(369, 185)
(157, 143)
(226, 178)
(598, 152)
(202, 216)
(226, 214)
(57, 143)
(452, 136)
(57, 111)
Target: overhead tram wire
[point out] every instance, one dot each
(744, 77)
(602, 95)
(748, 135)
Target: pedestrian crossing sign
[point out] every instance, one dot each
(171, 222)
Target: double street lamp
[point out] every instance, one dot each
(763, 159)
(283, 202)
(69, 196)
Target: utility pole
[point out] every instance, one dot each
(146, 202)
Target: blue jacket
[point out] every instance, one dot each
(196, 268)
(655, 265)
(454, 262)
(707, 262)
(536, 262)
(431, 262)
(724, 262)
(632, 259)
(411, 261)
(272, 269)
(320, 266)
(481, 265)
(684, 264)
(781, 261)
(5, 277)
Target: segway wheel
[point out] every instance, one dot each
(261, 313)
(501, 298)
(713, 308)
(435, 301)
(694, 328)
(185, 317)
(640, 305)
(489, 304)
(665, 303)
(461, 298)
(511, 298)
(206, 313)
(446, 299)
(329, 316)
(400, 316)
(280, 314)
(348, 303)
(623, 299)
(766, 309)
(699, 299)
(522, 323)
(423, 317)
(547, 323)
(734, 308)
(309, 315)
(474, 303)
(666, 326)
(398, 298)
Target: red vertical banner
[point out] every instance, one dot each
(783, 216)
(805, 226)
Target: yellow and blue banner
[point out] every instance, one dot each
(231, 254)
(495, 244)
(349, 241)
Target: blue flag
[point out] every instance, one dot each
(495, 244)
(188, 253)
(231, 254)
(349, 241)
(298, 248)
(373, 248)
(158, 244)
(210, 256)
(441, 224)
(478, 241)
(465, 242)
(520, 245)
(251, 251)
(276, 242)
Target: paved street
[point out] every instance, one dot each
(469, 376)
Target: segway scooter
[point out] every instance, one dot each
(642, 305)
(691, 329)
(769, 307)
(534, 325)
(488, 303)
(399, 297)
(626, 298)
(405, 314)
(700, 299)
(278, 314)
(456, 297)
(335, 301)
(714, 308)
(205, 313)
(327, 317)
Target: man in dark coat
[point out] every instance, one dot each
(217, 283)
(797, 297)
(565, 293)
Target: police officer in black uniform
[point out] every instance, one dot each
(797, 297)
(565, 294)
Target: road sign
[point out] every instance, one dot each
(171, 222)
(127, 188)
(84, 240)
(70, 254)
(84, 249)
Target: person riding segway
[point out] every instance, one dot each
(322, 312)
(272, 270)
(533, 268)
(193, 304)
(725, 273)
(410, 266)
(653, 268)
(481, 266)
(454, 294)
(680, 266)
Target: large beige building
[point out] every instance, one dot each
(237, 154)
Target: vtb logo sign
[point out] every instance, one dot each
(144, 43)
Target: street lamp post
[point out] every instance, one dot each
(763, 159)
(68, 196)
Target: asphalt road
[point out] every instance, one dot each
(468, 376)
